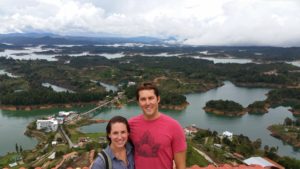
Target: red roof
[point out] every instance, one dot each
(222, 166)
(274, 163)
(227, 166)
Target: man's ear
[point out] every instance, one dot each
(158, 99)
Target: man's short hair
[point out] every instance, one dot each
(146, 86)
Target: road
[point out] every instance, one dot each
(60, 128)
(205, 156)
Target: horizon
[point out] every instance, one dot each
(193, 22)
(163, 41)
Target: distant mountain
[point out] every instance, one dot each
(52, 39)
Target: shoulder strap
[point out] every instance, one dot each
(106, 159)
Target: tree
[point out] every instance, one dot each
(288, 121)
(297, 122)
(17, 148)
(21, 149)
(266, 148)
(257, 143)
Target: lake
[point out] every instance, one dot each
(225, 60)
(253, 126)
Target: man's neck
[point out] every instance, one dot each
(154, 117)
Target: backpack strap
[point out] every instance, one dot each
(106, 159)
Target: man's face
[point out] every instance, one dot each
(149, 103)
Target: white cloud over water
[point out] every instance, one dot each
(200, 22)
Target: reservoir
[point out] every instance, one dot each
(253, 126)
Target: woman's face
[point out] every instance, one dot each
(118, 135)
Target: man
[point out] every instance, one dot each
(158, 139)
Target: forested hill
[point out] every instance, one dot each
(257, 53)
(52, 39)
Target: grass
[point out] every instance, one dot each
(7, 159)
(194, 158)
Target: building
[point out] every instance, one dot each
(60, 120)
(52, 156)
(227, 134)
(65, 113)
(227, 166)
(47, 125)
(189, 130)
(71, 117)
(131, 84)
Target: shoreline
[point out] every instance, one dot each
(70, 105)
(44, 106)
(223, 113)
(295, 112)
(283, 137)
(175, 107)
(259, 110)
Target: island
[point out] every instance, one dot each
(224, 107)
(173, 101)
(258, 107)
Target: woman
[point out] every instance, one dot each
(119, 151)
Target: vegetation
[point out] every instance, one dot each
(239, 144)
(288, 131)
(222, 107)
(177, 75)
(168, 98)
(223, 150)
(193, 157)
(287, 96)
(258, 107)
(289, 163)
(45, 96)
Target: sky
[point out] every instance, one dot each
(193, 22)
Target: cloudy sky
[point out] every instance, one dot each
(198, 22)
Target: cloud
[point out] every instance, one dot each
(200, 22)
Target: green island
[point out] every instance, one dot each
(224, 107)
(288, 132)
(258, 107)
(278, 97)
(286, 97)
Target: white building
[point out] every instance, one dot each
(13, 164)
(52, 156)
(65, 113)
(189, 130)
(60, 120)
(131, 84)
(227, 134)
(48, 125)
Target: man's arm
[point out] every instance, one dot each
(179, 159)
